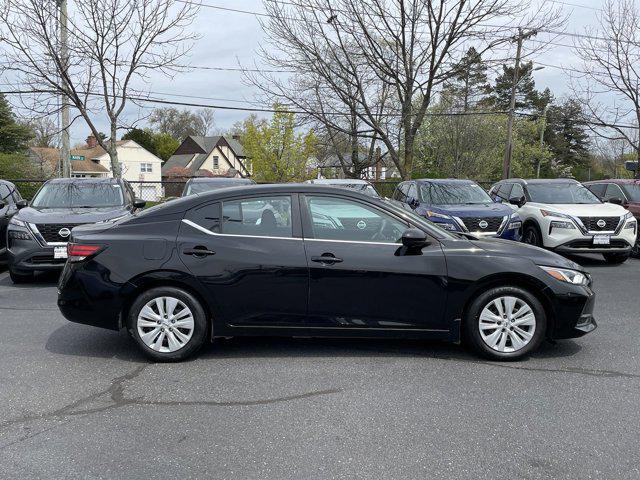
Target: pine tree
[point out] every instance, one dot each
(470, 85)
(527, 97)
(13, 136)
(566, 135)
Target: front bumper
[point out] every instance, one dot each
(574, 314)
(29, 256)
(585, 245)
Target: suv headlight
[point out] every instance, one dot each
(18, 223)
(547, 213)
(514, 222)
(564, 224)
(566, 275)
(438, 215)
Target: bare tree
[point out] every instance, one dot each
(609, 88)
(379, 61)
(112, 47)
(45, 130)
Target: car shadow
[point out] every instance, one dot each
(40, 280)
(84, 341)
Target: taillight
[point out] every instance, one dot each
(77, 252)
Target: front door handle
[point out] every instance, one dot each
(198, 251)
(326, 258)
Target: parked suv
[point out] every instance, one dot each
(626, 192)
(9, 200)
(358, 185)
(459, 206)
(37, 235)
(565, 216)
(208, 184)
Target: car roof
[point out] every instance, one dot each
(84, 180)
(538, 181)
(219, 180)
(337, 181)
(443, 181)
(619, 181)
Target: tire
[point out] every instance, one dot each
(531, 235)
(616, 258)
(480, 335)
(635, 251)
(167, 339)
(18, 278)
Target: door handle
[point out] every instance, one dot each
(327, 258)
(198, 251)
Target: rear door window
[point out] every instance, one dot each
(614, 191)
(258, 216)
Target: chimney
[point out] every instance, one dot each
(91, 141)
(236, 137)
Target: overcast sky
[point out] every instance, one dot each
(230, 38)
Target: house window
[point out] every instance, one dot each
(146, 168)
(216, 163)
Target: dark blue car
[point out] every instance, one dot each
(460, 206)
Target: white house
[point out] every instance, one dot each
(140, 167)
(219, 155)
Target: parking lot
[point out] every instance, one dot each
(80, 402)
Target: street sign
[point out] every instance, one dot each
(76, 157)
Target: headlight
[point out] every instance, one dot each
(16, 222)
(628, 216)
(566, 275)
(19, 235)
(547, 213)
(556, 224)
(438, 215)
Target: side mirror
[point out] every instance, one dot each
(137, 203)
(21, 204)
(616, 200)
(414, 239)
(517, 201)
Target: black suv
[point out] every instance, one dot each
(10, 198)
(37, 235)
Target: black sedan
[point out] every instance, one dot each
(305, 260)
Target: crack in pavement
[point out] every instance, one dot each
(115, 391)
(576, 370)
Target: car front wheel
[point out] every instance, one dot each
(505, 323)
(19, 277)
(616, 258)
(168, 324)
(531, 235)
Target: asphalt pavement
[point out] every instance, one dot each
(80, 402)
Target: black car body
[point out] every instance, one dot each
(208, 184)
(37, 235)
(10, 198)
(317, 261)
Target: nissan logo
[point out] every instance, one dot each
(483, 224)
(601, 223)
(64, 232)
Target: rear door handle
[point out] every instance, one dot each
(327, 258)
(198, 251)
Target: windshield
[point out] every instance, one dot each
(201, 187)
(454, 194)
(79, 195)
(561, 193)
(633, 191)
(417, 219)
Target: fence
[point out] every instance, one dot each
(156, 192)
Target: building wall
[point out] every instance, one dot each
(223, 165)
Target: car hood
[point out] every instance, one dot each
(537, 255)
(70, 215)
(483, 210)
(583, 210)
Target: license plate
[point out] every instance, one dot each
(601, 239)
(60, 252)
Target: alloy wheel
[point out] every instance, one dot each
(531, 237)
(165, 324)
(507, 324)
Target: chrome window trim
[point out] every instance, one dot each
(215, 234)
(351, 241)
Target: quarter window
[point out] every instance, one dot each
(340, 219)
(258, 216)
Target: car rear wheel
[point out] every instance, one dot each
(20, 277)
(168, 324)
(532, 236)
(505, 323)
(615, 258)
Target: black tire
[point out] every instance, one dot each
(531, 235)
(471, 323)
(200, 324)
(635, 251)
(21, 277)
(616, 258)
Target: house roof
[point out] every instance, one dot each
(194, 150)
(88, 165)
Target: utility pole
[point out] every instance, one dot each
(544, 126)
(508, 151)
(64, 113)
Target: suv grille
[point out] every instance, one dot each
(473, 223)
(50, 231)
(591, 223)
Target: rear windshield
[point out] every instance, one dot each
(454, 194)
(79, 195)
(565, 193)
(201, 187)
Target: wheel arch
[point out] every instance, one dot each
(166, 278)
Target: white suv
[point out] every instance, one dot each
(563, 215)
